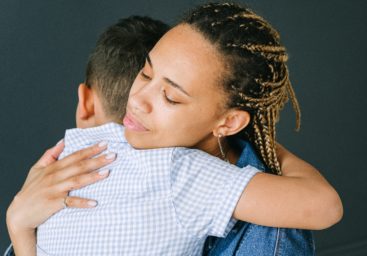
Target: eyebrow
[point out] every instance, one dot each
(169, 81)
(149, 60)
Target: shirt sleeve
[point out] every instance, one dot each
(205, 191)
(9, 251)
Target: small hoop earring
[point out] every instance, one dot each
(220, 136)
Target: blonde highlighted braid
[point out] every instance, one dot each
(257, 79)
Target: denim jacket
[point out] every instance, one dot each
(250, 239)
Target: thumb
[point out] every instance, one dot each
(50, 155)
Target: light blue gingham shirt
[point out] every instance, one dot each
(155, 202)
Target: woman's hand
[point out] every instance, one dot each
(46, 189)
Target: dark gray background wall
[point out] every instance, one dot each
(44, 47)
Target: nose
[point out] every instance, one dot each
(140, 100)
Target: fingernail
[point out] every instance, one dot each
(60, 141)
(102, 144)
(92, 203)
(103, 172)
(110, 156)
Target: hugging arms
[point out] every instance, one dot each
(193, 93)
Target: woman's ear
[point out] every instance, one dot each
(85, 108)
(232, 122)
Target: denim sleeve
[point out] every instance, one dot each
(250, 239)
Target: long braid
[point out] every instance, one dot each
(257, 78)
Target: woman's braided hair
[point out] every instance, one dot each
(256, 77)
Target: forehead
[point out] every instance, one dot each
(187, 58)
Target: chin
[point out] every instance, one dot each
(146, 141)
(133, 142)
(136, 141)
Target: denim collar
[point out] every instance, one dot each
(248, 156)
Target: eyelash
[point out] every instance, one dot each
(168, 99)
(145, 76)
(172, 102)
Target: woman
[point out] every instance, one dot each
(219, 74)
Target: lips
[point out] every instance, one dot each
(132, 124)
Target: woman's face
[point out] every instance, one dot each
(176, 100)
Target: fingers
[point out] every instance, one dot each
(49, 182)
(82, 154)
(77, 202)
(76, 182)
(75, 171)
(57, 149)
(84, 166)
(50, 155)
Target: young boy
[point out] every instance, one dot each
(153, 202)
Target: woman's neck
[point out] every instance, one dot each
(211, 146)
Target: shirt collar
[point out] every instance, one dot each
(248, 156)
(110, 133)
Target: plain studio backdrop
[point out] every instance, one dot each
(44, 47)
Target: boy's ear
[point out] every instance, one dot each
(232, 122)
(85, 108)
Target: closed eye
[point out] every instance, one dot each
(170, 101)
(145, 76)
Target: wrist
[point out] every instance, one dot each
(14, 224)
(17, 233)
(24, 242)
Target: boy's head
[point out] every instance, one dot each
(112, 67)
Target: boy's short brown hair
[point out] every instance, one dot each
(119, 55)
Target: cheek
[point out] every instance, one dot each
(189, 125)
(136, 85)
(171, 125)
